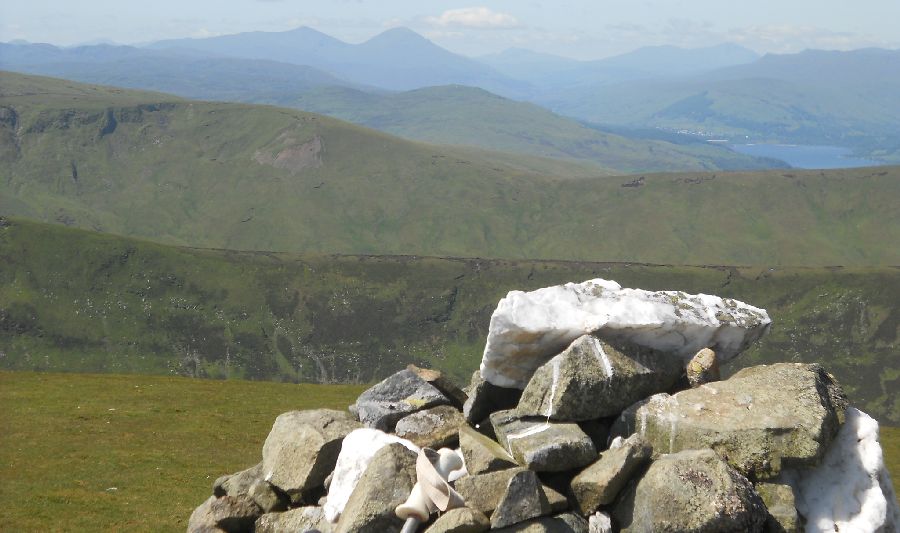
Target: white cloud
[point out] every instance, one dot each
(474, 17)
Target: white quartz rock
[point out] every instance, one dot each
(528, 328)
(851, 490)
(357, 450)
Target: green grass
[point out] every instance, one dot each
(262, 178)
(131, 453)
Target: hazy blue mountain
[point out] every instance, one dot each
(398, 59)
(674, 61)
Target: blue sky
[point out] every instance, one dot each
(583, 29)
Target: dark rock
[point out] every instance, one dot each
(486, 398)
(401, 394)
(267, 497)
(436, 428)
(593, 378)
(442, 383)
(601, 482)
(543, 446)
(523, 499)
(482, 454)
(562, 523)
(238, 484)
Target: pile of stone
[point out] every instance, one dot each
(596, 408)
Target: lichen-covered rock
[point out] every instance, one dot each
(693, 491)
(781, 506)
(523, 499)
(231, 514)
(561, 523)
(486, 398)
(482, 454)
(301, 519)
(543, 446)
(601, 482)
(238, 484)
(483, 491)
(357, 451)
(267, 497)
(762, 419)
(703, 368)
(386, 483)
(460, 520)
(401, 394)
(302, 448)
(442, 383)
(528, 328)
(437, 427)
(851, 490)
(593, 378)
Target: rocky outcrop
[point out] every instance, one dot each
(399, 395)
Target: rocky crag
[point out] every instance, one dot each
(596, 408)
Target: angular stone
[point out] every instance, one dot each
(302, 448)
(527, 329)
(232, 514)
(460, 520)
(601, 482)
(780, 503)
(762, 419)
(483, 491)
(436, 428)
(482, 454)
(300, 519)
(486, 398)
(558, 502)
(703, 368)
(691, 491)
(401, 394)
(543, 446)
(238, 484)
(357, 450)
(386, 483)
(600, 522)
(522, 500)
(562, 523)
(267, 497)
(593, 378)
(442, 383)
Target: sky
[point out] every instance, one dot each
(581, 29)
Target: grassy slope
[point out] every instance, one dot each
(249, 177)
(66, 439)
(77, 301)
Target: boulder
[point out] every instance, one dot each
(460, 520)
(483, 491)
(437, 427)
(528, 328)
(703, 368)
(231, 514)
(238, 484)
(781, 506)
(851, 490)
(561, 523)
(601, 482)
(442, 383)
(543, 446)
(300, 519)
(523, 499)
(384, 485)
(593, 378)
(482, 454)
(357, 451)
(302, 448)
(486, 398)
(762, 419)
(401, 394)
(267, 497)
(693, 491)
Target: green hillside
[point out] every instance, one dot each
(78, 301)
(263, 178)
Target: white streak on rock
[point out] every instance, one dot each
(604, 359)
(556, 363)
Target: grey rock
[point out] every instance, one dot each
(703, 368)
(238, 484)
(461, 520)
(523, 499)
(436, 428)
(598, 431)
(762, 419)
(781, 505)
(486, 398)
(600, 522)
(594, 378)
(558, 502)
(562, 523)
(543, 446)
(384, 485)
(693, 491)
(301, 519)
(302, 449)
(267, 497)
(601, 482)
(401, 394)
(484, 491)
(442, 383)
(232, 514)
(482, 454)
